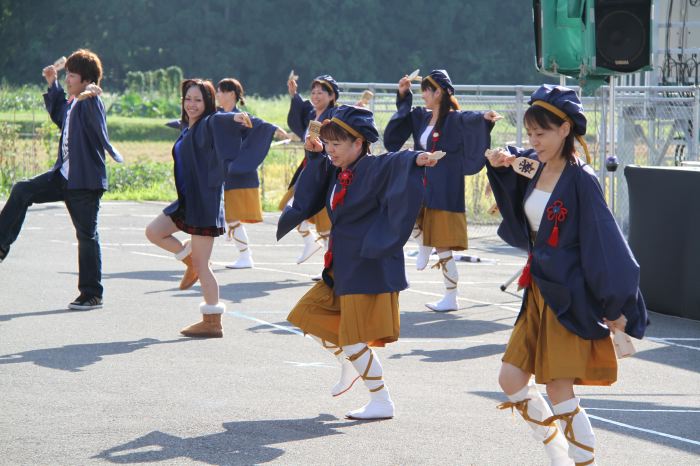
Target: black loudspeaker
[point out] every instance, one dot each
(623, 34)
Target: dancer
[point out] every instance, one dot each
(208, 142)
(322, 106)
(242, 186)
(581, 280)
(79, 176)
(464, 135)
(373, 202)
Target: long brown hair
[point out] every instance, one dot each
(233, 85)
(447, 102)
(208, 92)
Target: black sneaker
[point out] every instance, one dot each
(3, 252)
(85, 303)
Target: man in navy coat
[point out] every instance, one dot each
(79, 176)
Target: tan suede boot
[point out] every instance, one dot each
(210, 326)
(190, 277)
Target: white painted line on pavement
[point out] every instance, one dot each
(160, 256)
(508, 308)
(264, 322)
(645, 410)
(666, 342)
(649, 431)
(678, 339)
(309, 364)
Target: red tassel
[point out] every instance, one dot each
(553, 239)
(525, 277)
(328, 256)
(338, 198)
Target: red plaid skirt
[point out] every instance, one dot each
(178, 219)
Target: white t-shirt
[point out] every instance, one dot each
(65, 168)
(534, 208)
(427, 135)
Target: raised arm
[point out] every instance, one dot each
(309, 194)
(400, 127)
(298, 116)
(55, 102)
(254, 147)
(398, 177)
(509, 191)
(475, 128)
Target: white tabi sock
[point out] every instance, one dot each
(237, 233)
(367, 365)
(423, 256)
(534, 409)
(577, 430)
(310, 244)
(348, 374)
(450, 277)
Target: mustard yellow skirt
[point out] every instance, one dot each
(443, 229)
(243, 204)
(348, 319)
(285, 199)
(542, 346)
(321, 219)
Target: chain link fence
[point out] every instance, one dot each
(653, 126)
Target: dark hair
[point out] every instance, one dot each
(207, 89)
(331, 131)
(232, 85)
(447, 102)
(325, 87)
(540, 116)
(87, 64)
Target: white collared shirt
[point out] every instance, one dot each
(65, 167)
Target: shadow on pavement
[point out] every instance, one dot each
(242, 442)
(6, 317)
(241, 291)
(450, 355)
(73, 358)
(265, 328)
(446, 325)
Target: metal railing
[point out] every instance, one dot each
(654, 125)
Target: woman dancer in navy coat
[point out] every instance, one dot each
(373, 202)
(464, 135)
(321, 106)
(581, 280)
(208, 142)
(242, 186)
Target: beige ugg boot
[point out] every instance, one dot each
(210, 326)
(190, 277)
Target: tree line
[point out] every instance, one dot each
(260, 41)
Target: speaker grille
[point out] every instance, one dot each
(622, 34)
